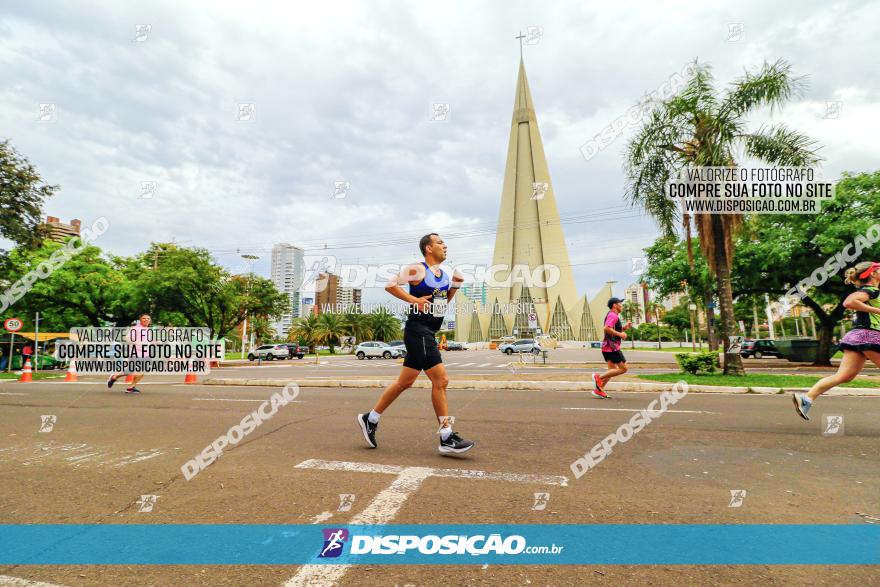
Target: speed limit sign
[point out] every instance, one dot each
(13, 324)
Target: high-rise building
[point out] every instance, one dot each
(287, 275)
(326, 291)
(530, 236)
(636, 296)
(59, 231)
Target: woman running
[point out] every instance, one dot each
(860, 343)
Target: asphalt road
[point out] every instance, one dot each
(107, 449)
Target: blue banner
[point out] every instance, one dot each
(496, 544)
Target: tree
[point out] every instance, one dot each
(184, 284)
(384, 325)
(701, 127)
(331, 328)
(22, 193)
(357, 325)
(776, 252)
(86, 290)
(305, 330)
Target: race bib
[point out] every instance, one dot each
(439, 304)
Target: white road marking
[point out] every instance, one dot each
(7, 581)
(227, 399)
(467, 364)
(629, 410)
(484, 365)
(323, 516)
(388, 502)
(13, 393)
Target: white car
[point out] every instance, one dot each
(370, 350)
(269, 352)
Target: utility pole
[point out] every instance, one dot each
(244, 339)
(36, 341)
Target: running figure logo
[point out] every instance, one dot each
(541, 500)
(147, 502)
(47, 423)
(346, 500)
(737, 497)
(833, 426)
(334, 540)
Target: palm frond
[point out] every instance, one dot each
(781, 146)
(773, 85)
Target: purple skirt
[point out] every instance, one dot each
(861, 339)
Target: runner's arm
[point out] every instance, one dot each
(409, 274)
(856, 301)
(457, 281)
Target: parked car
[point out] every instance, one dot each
(523, 345)
(455, 346)
(370, 350)
(269, 352)
(759, 349)
(399, 345)
(294, 350)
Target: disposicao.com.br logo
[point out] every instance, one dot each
(431, 544)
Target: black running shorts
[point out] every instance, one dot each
(422, 352)
(614, 356)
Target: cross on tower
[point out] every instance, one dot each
(520, 37)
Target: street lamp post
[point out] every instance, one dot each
(250, 259)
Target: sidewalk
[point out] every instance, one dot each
(521, 384)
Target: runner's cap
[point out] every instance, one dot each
(613, 301)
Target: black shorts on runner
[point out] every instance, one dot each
(422, 352)
(614, 356)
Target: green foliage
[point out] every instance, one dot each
(384, 325)
(694, 363)
(22, 193)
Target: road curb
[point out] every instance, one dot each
(532, 386)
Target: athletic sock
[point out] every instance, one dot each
(374, 417)
(445, 430)
(807, 400)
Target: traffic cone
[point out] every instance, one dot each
(27, 373)
(71, 372)
(190, 376)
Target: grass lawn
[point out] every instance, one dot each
(754, 380)
(38, 375)
(687, 349)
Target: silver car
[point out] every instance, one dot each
(269, 352)
(369, 350)
(523, 345)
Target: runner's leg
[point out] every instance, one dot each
(849, 368)
(439, 381)
(404, 381)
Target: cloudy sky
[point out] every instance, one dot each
(344, 92)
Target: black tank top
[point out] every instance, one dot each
(438, 289)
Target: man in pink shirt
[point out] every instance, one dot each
(137, 337)
(614, 334)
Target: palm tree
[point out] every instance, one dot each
(305, 330)
(702, 127)
(384, 325)
(358, 326)
(330, 328)
(654, 309)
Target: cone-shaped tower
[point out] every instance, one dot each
(529, 242)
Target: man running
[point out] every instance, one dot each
(430, 291)
(136, 336)
(615, 360)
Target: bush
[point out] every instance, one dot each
(695, 363)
